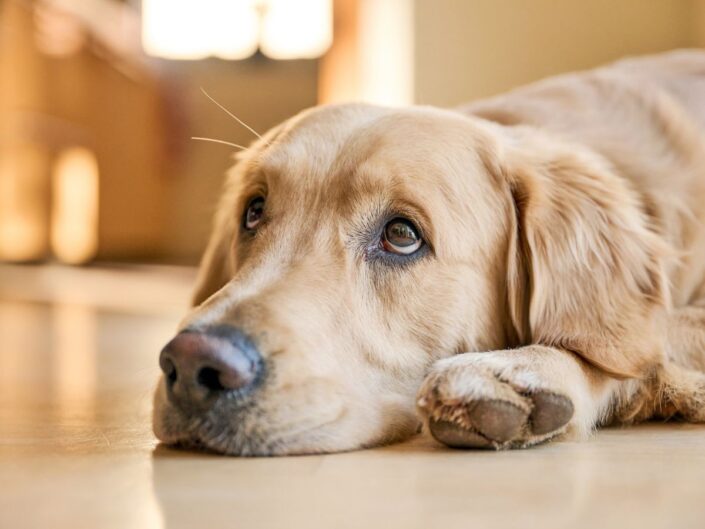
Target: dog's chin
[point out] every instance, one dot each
(204, 437)
(308, 445)
(305, 437)
(248, 436)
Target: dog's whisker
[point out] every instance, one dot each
(200, 138)
(253, 131)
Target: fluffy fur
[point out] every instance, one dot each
(562, 286)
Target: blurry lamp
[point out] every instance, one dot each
(74, 212)
(235, 29)
(293, 29)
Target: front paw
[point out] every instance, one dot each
(471, 405)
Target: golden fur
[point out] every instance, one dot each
(563, 289)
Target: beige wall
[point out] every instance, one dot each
(699, 23)
(466, 49)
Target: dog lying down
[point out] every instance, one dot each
(521, 269)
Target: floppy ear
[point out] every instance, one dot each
(585, 270)
(217, 264)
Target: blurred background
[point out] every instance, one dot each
(99, 99)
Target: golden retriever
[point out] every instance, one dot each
(521, 269)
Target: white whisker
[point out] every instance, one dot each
(253, 131)
(219, 141)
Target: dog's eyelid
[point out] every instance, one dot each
(249, 192)
(414, 215)
(256, 186)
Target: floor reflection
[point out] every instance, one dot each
(74, 333)
(622, 478)
(75, 435)
(25, 356)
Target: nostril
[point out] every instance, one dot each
(169, 369)
(210, 378)
(201, 365)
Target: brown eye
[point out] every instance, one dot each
(253, 213)
(401, 237)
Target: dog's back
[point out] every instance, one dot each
(654, 104)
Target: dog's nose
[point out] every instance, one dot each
(201, 364)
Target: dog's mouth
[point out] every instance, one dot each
(291, 447)
(213, 440)
(257, 429)
(217, 446)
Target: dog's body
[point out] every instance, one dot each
(561, 250)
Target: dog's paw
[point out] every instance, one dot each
(474, 405)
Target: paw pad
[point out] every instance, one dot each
(496, 423)
(551, 412)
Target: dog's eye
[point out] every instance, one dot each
(401, 237)
(253, 213)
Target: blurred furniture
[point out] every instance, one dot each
(82, 153)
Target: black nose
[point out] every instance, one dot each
(201, 364)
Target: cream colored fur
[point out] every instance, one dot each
(565, 223)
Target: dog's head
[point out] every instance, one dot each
(355, 245)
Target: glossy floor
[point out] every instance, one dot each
(76, 451)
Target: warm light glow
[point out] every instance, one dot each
(194, 29)
(74, 216)
(297, 29)
(23, 198)
(387, 51)
(233, 29)
(372, 58)
(74, 348)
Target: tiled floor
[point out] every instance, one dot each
(77, 366)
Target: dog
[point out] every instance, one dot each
(521, 269)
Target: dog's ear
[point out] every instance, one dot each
(585, 271)
(215, 269)
(217, 266)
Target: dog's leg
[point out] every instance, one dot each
(525, 396)
(677, 389)
(514, 398)
(682, 389)
(686, 336)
